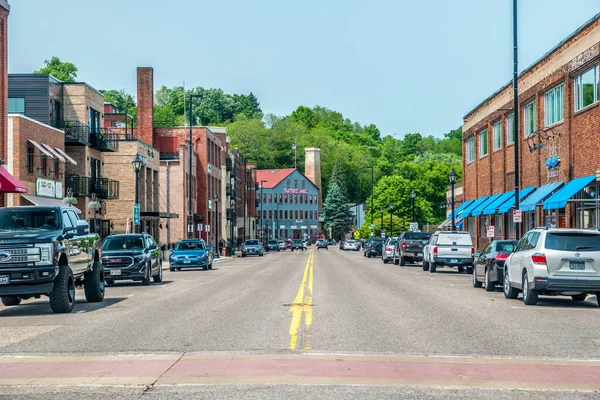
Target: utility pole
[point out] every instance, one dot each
(168, 212)
(372, 191)
(516, 114)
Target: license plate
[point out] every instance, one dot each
(4, 280)
(419, 254)
(115, 272)
(576, 265)
(454, 261)
(186, 261)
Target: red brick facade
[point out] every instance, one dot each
(575, 138)
(145, 103)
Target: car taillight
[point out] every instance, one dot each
(539, 258)
(472, 251)
(435, 251)
(403, 245)
(501, 257)
(388, 249)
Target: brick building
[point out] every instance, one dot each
(559, 119)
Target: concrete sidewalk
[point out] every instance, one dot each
(304, 369)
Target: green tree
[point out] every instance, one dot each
(124, 102)
(63, 71)
(336, 214)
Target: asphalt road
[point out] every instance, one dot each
(342, 303)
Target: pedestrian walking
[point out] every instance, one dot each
(221, 244)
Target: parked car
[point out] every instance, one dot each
(330, 242)
(47, 251)
(281, 245)
(297, 244)
(374, 247)
(555, 261)
(322, 244)
(387, 254)
(450, 249)
(342, 244)
(191, 253)
(489, 264)
(272, 244)
(351, 244)
(133, 257)
(305, 244)
(252, 247)
(409, 248)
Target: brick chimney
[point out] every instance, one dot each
(145, 103)
(312, 170)
(4, 10)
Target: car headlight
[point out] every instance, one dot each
(46, 253)
(139, 259)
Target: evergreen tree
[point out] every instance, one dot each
(336, 214)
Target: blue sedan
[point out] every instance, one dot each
(192, 253)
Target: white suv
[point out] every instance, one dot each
(554, 262)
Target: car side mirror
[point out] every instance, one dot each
(83, 228)
(152, 247)
(477, 254)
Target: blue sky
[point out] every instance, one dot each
(406, 66)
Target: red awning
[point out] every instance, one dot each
(9, 184)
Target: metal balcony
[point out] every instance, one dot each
(104, 140)
(84, 186)
(76, 133)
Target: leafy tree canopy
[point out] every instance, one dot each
(63, 71)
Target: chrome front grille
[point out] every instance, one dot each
(19, 255)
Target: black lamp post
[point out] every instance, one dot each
(413, 195)
(452, 178)
(261, 219)
(233, 217)
(391, 221)
(191, 180)
(381, 210)
(137, 163)
(216, 198)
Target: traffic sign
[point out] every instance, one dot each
(136, 214)
(490, 231)
(414, 227)
(517, 216)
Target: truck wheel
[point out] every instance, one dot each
(93, 284)
(425, 266)
(11, 300)
(402, 261)
(110, 282)
(579, 297)
(470, 270)
(369, 255)
(509, 291)
(158, 278)
(530, 296)
(432, 267)
(147, 275)
(461, 269)
(62, 296)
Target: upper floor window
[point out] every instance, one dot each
(510, 129)
(483, 143)
(553, 105)
(586, 88)
(497, 127)
(470, 150)
(288, 184)
(529, 119)
(280, 198)
(301, 199)
(295, 183)
(264, 198)
(310, 199)
(270, 198)
(16, 105)
(30, 157)
(303, 183)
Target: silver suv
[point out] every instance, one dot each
(554, 262)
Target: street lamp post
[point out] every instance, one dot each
(452, 178)
(233, 217)
(262, 222)
(216, 198)
(137, 163)
(391, 221)
(191, 180)
(413, 195)
(381, 210)
(516, 113)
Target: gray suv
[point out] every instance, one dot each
(554, 262)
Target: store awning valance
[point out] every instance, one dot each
(538, 196)
(479, 209)
(560, 198)
(508, 204)
(493, 206)
(467, 211)
(461, 207)
(10, 184)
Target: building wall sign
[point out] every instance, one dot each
(295, 191)
(48, 188)
(553, 162)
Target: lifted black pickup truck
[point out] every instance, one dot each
(48, 251)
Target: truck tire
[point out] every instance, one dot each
(159, 277)
(470, 270)
(402, 261)
(11, 300)
(62, 296)
(461, 269)
(396, 261)
(93, 283)
(579, 297)
(425, 266)
(147, 275)
(432, 267)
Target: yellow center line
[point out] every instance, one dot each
(303, 305)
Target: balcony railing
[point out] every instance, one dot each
(104, 140)
(76, 133)
(84, 186)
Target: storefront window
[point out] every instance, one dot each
(484, 221)
(587, 218)
(498, 224)
(511, 224)
(471, 225)
(529, 220)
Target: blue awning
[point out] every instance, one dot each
(479, 209)
(560, 198)
(459, 224)
(542, 193)
(511, 201)
(467, 211)
(491, 207)
(460, 208)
